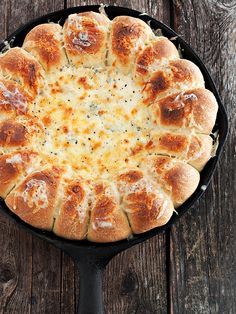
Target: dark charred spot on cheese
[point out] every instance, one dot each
(149, 145)
(56, 90)
(65, 129)
(46, 120)
(137, 149)
(131, 176)
(101, 112)
(96, 145)
(99, 188)
(84, 82)
(12, 133)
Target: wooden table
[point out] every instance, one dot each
(189, 269)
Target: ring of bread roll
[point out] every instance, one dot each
(104, 129)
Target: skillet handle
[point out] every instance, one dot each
(90, 287)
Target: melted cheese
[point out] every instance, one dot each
(92, 120)
(14, 98)
(35, 194)
(15, 159)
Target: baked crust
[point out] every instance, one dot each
(85, 38)
(44, 42)
(157, 52)
(19, 65)
(194, 109)
(13, 99)
(73, 215)
(108, 223)
(35, 199)
(178, 179)
(196, 149)
(103, 128)
(128, 37)
(13, 167)
(13, 134)
(178, 76)
(146, 205)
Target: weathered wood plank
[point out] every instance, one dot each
(203, 242)
(159, 9)
(3, 20)
(18, 277)
(68, 299)
(202, 256)
(21, 12)
(135, 281)
(15, 268)
(46, 278)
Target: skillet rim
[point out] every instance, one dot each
(208, 171)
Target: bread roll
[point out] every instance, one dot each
(44, 42)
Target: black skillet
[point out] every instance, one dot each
(91, 257)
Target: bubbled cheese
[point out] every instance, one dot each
(92, 120)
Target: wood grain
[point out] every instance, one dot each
(190, 270)
(203, 243)
(27, 265)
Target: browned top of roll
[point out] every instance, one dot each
(35, 199)
(44, 42)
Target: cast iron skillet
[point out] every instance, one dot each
(91, 257)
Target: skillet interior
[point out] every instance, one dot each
(16, 39)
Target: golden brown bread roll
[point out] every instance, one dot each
(176, 76)
(19, 65)
(85, 38)
(153, 55)
(13, 167)
(195, 149)
(44, 42)
(146, 205)
(194, 109)
(128, 36)
(73, 212)
(177, 179)
(108, 223)
(35, 199)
